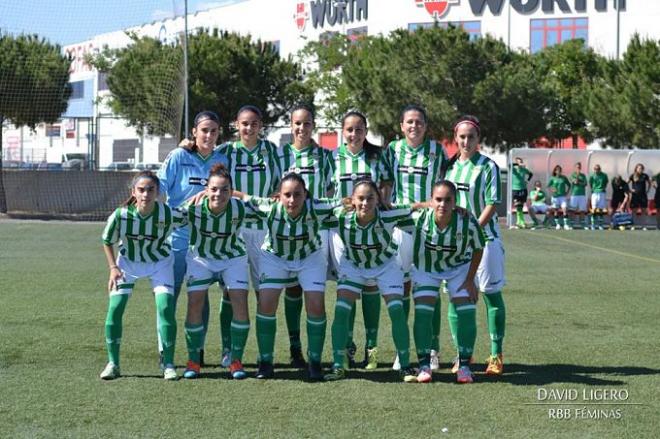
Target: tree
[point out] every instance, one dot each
(34, 85)
(226, 71)
(624, 105)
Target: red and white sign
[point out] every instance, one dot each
(437, 8)
(301, 16)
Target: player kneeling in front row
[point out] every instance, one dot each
(366, 230)
(141, 227)
(292, 251)
(448, 246)
(217, 253)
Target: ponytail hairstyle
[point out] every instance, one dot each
(201, 117)
(347, 202)
(415, 107)
(554, 170)
(448, 184)
(292, 176)
(470, 120)
(252, 109)
(139, 176)
(371, 151)
(308, 108)
(220, 170)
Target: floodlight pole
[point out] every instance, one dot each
(186, 123)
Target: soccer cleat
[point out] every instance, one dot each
(464, 375)
(192, 370)
(557, 227)
(456, 364)
(314, 371)
(337, 373)
(371, 360)
(236, 370)
(350, 356)
(225, 360)
(161, 362)
(169, 374)
(110, 372)
(408, 375)
(495, 365)
(396, 365)
(297, 359)
(425, 375)
(201, 357)
(567, 227)
(435, 361)
(265, 371)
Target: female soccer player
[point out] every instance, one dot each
(413, 165)
(620, 195)
(538, 206)
(640, 184)
(656, 199)
(598, 183)
(141, 227)
(314, 165)
(365, 228)
(357, 160)
(217, 253)
(448, 247)
(252, 163)
(559, 186)
(578, 201)
(520, 176)
(477, 179)
(292, 252)
(182, 175)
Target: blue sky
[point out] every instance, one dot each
(70, 21)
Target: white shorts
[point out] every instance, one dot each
(559, 202)
(202, 273)
(405, 255)
(427, 284)
(254, 239)
(325, 251)
(160, 273)
(540, 208)
(490, 274)
(578, 203)
(336, 255)
(388, 277)
(599, 200)
(279, 273)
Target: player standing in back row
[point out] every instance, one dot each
(478, 184)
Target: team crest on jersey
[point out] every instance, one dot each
(436, 8)
(432, 156)
(236, 221)
(459, 236)
(160, 225)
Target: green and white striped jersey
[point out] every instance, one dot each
(217, 236)
(313, 163)
(142, 239)
(436, 250)
(413, 171)
(254, 172)
(371, 245)
(478, 185)
(288, 238)
(349, 168)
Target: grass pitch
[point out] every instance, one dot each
(582, 308)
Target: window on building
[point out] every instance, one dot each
(102, 83)
(77, 90)
(548, 32)
(473, 28)
(276, 46)
(356, 33)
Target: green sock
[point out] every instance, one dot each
(567, 221)
(340, 330)
(239, 334)
(371, 315)
(292, 311)
(422, 332)
(351, 326)
(520, 218)
(194, 340)
(226, 315)
(452, 318)
(466, 332)
(113, 325)
(266, 327)
(167, 325)
(435, 336)
(406, 306)
(316, 327)
(400, 332)
(496, 320)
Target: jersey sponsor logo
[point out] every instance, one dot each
(197, 181)
(292, 237)
(141, 237)
(214, 235)
(413, 170)
(366, 246)
(436, 8)
(356, 176)
(440, 247)
(250, 168)
(302, 170)
(464, 187)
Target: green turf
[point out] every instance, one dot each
(578, 318)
